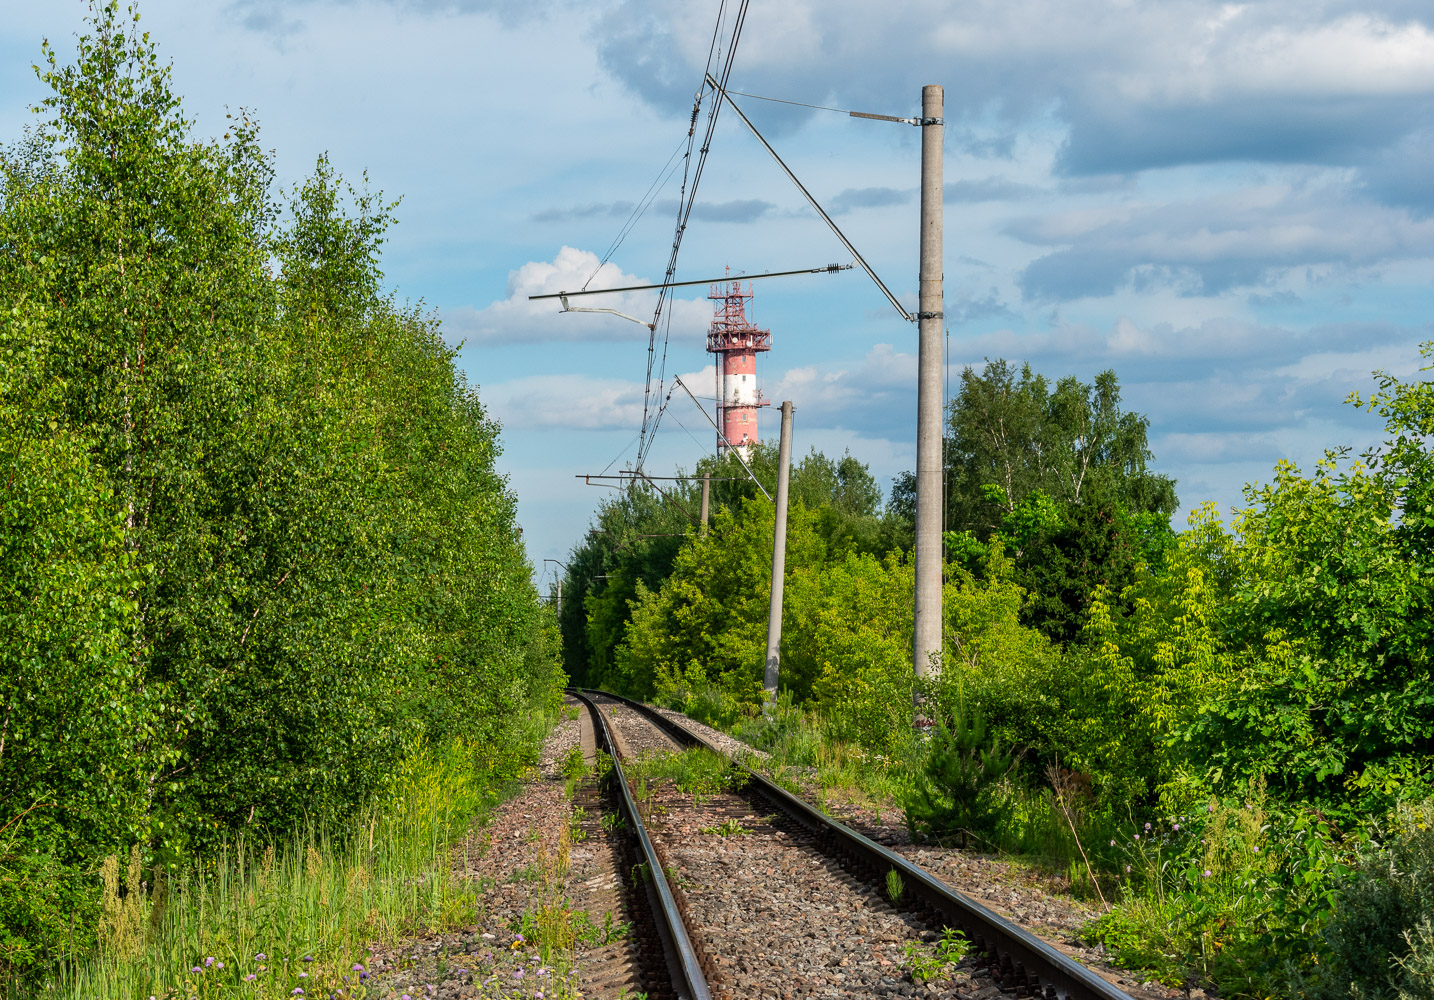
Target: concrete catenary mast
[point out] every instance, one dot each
(736, 341)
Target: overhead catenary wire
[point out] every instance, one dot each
(654, 189)
(730, 450)
(684, 211)
(823, 107)
(813, 202)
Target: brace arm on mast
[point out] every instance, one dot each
(562, 297)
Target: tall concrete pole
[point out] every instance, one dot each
(779, 556)
(706, 492)
(926, 651)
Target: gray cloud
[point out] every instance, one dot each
(1209, 245)
(614, 209)
(968, 309)
(870, 197)
(270, 17)
(1185, 81)
(1106, 137)
(1401, 174)
(740, 210)
(986, 189)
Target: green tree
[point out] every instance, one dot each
(1061, 473)
(254, 547)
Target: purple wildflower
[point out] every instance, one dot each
(1147, 826)
(303, 975)
(1112, 843)
(250, 978)
(297, 991)
(308, 958)
(219, 965)
(260, 957)
(209, 961)
(518, 974)
(196, 969)
(1257, 848)
(1207, 873)
(1177, 826)
(357, 968)
(363, 976)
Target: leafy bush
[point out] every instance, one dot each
(1231, 894)
(1380, 938)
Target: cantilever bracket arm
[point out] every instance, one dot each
(562, 297)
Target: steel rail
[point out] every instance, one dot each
(688, 980)
(1018, 959)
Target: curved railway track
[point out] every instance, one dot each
(756, 893)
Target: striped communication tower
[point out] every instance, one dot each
(736, 342)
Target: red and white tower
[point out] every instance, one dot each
(735, 342)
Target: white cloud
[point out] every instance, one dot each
(517, 319)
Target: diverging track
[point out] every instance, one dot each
(768, 897)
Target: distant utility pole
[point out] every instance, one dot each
(706, 492)
(926, 651)
(779, 556)
(560, 584)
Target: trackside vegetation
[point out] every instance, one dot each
(268, 640)
(1223, 736)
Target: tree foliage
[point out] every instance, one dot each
(1061, 473)
(253, 547)
(633, 544)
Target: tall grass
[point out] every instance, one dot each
(300, 918)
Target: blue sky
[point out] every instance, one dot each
(1229, 204)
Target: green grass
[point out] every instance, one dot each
(264, 921)
(697, 771)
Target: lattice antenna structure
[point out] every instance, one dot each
(736, 341)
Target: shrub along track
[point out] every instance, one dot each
(783, 902)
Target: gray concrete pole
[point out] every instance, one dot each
(926, 651)
(779, 556)
(706, 492)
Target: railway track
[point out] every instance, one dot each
(755, 893)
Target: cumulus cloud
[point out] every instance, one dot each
(876, 396)
(516, 319)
